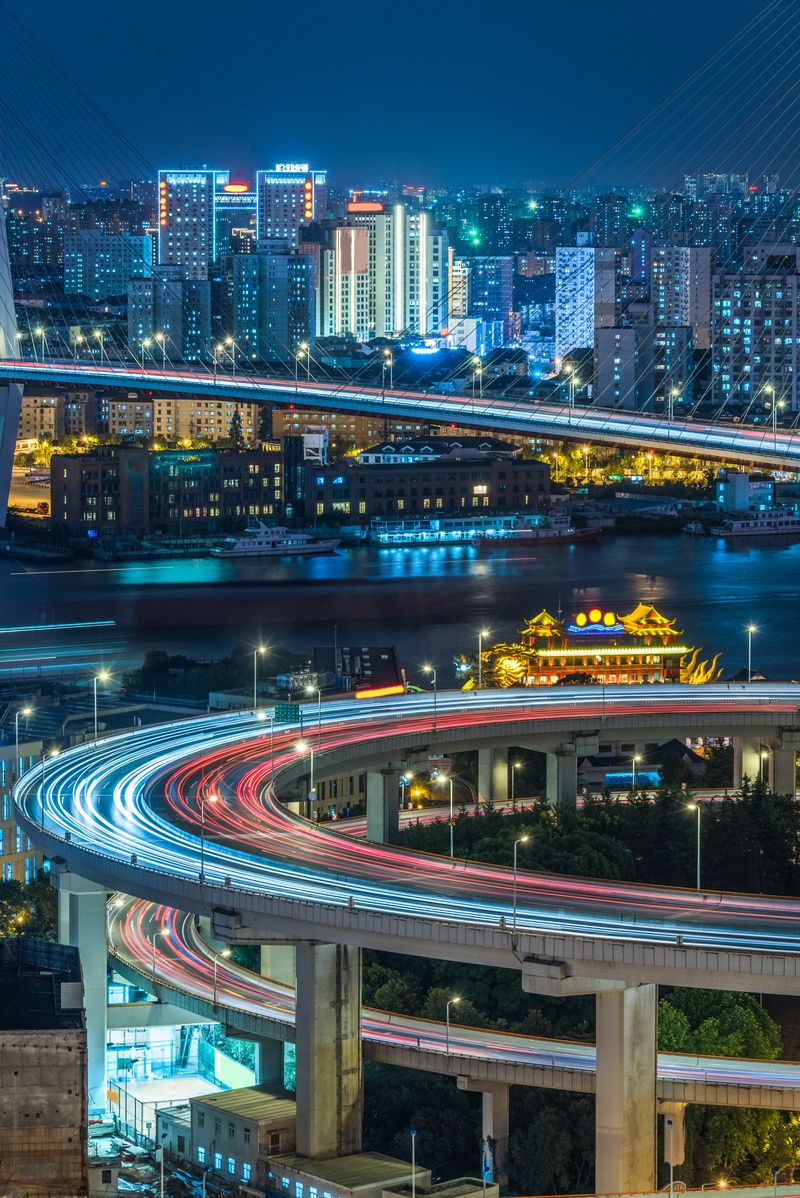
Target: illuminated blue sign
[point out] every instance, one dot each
(595, 629)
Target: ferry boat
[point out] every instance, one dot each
(556, 530)
(272, 542)
(770, 522)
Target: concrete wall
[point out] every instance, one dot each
(43, 1111)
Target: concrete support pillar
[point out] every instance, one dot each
(746, 758)
(495, 1131)
(269, 1063)
(674, 1136)
(500, 775)
(278, 963)
(783, 771)
(10, 393)
(562, 777)
(485, 769)
(82, 923)
(626, 1090)
(328, 1048)
(383, 806)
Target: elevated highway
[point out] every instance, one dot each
(249, 1005)
(740, 443)
(124, 814)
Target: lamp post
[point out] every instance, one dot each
(52, 753)
(430, 670)
(585, 452)
(159, 337)
(776, 403)
(163, 932)
(650, 458)
(555, 459)
(413, 1164)
(102, 677)
(750, 630)
(669, 1128)
(21, 711)
(310, 691)
(447, 1023)
(230, 341)
(521, 840)
(301, 748)
(226, 952)
(572, 384)
(163, 1138)
(256, 652)
(481, 635)
(671, 404)
(450, 780)
(696, 807)
(516, 766)
(202, 800)
(144, 343)
(634, 760)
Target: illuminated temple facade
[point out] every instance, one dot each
(594, 647)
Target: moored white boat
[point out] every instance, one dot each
(272, 542)
(771, 522)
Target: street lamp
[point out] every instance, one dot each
(650, 456)
(301, 748)
(230, 341)
(633, 788)
(481, 635)
(777, 403)
(521, 840)
(452, 820)
(671, 406)
(585, 452)
(144, 343)
(555, 459)
(430, 670)
(478, 371)
(696, 807)
(450, 1003)
(310, 691)
(102, 677)
(256, 652)
(21, 711)
(387, 353)
(751, 628)
(52, 753)
(163, 932)
(202, 800)
(226, 952)
(516, 766)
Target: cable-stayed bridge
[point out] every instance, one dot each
(760, 445)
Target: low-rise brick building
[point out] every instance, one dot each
(348, 491)
(119, 488)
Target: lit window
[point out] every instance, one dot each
(201, 1156)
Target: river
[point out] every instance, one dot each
(429, 602)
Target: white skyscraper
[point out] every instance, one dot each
(387, 274)
(575, 296)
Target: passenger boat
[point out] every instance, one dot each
(272, 542)
(771, 522)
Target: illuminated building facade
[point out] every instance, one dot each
(595, 647)
(186, 218)
(386, 274)
(289, 196)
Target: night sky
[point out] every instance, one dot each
(467, 93)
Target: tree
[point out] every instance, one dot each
(30, 910)
(236, 433)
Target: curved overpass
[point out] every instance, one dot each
(601, 425)
(124, 813)
(248, 1004)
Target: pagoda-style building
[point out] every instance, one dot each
(596, 647)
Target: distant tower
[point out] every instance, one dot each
(10, 393)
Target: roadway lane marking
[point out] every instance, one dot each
(97, 570)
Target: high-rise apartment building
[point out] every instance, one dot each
(101, 264)
(681, 286)
(288, 197)
(186, 218)
(608, 220)
(588, 295)
(235, 208)
(574, 299)
(492, 290)
(169, 316)
(386, 274)
(273, 303)
(754, 331)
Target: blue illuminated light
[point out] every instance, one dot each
(595, 629)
